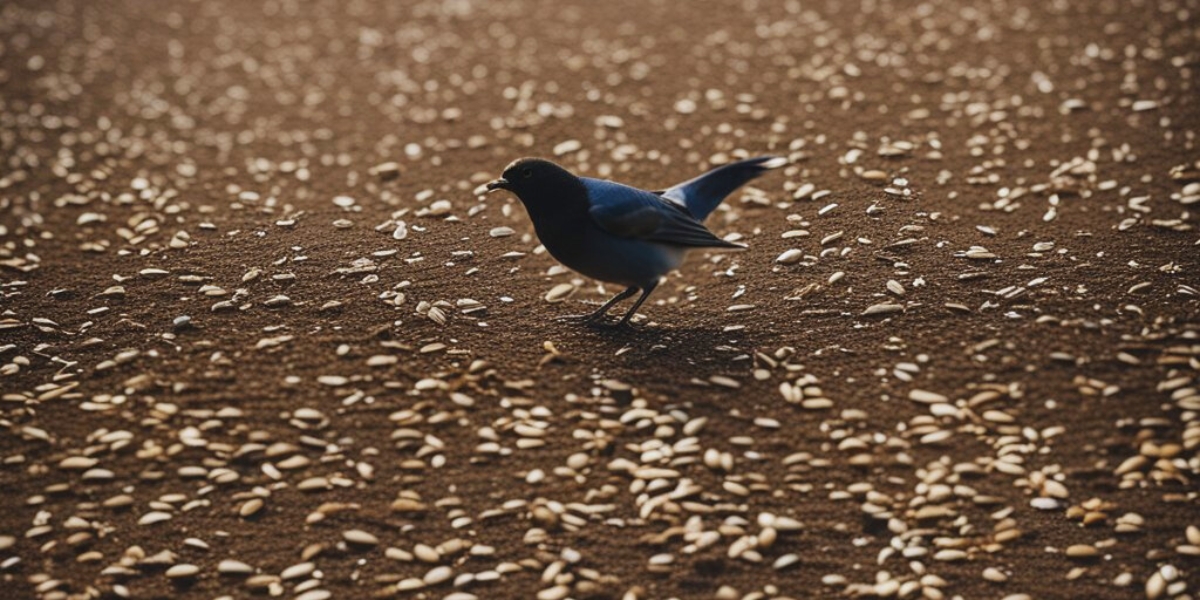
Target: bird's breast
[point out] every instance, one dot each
(597, 254)
(562, 237)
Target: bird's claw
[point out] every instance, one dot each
(600, 321)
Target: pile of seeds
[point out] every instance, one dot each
(262, 333)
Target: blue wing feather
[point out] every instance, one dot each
(628, 212)
(704, 193)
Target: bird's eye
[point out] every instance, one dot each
(526, 173)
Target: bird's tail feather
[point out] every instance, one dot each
(703, 194)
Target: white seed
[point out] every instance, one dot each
(426, 553)
(560, 292)
(885, 308)
(234, 567)
(438, 575)
(994, 574)
(927, 397)
(557, 592)
(358, 536)
(790, 257)
(785, 561)
(153, 517)
(297, 570)
(182, 571)
(567, 147)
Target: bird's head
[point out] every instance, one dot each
(535, 180)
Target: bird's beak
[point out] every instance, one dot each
(496, 184)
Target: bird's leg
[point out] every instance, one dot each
(603, 310)
(633, 310)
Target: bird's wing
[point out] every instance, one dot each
(632, 213)
(704, 193)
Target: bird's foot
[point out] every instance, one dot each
(602, 321)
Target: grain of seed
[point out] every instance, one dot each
(994, 575)
(297, 570)
(360, 537)
(437, 575)
(182, 571)
(234, 567)
(885, 308)
(790, 257)
(250, 507)
(560, 292)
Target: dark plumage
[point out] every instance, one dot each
(622, 234)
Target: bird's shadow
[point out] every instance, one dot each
(664, 351)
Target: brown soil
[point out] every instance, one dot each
(1024, 173)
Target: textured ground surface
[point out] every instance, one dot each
(242, 354)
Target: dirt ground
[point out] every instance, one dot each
(260, 338)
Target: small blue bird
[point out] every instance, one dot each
(622, 234)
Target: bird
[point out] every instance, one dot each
(618, 233)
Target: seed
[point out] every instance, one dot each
(936, 437)
(77, 463)
(735, 488)
(182, 571)
(409, 584)
(153, 517)
(557, 592)
(277, 301)
(885, 308)
(1192, 533)
(358, 536)
(438, 575)
(382, 360)
(250, 507)
(994, 574)
(426, 553)
(790, 257)
(726, 382)
(804, 191)
(385, 171)
(560, 292)
(1155, 586)
(926, 397)
(234, 567)
(785, 561)
(297, 570)
(567, 147)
